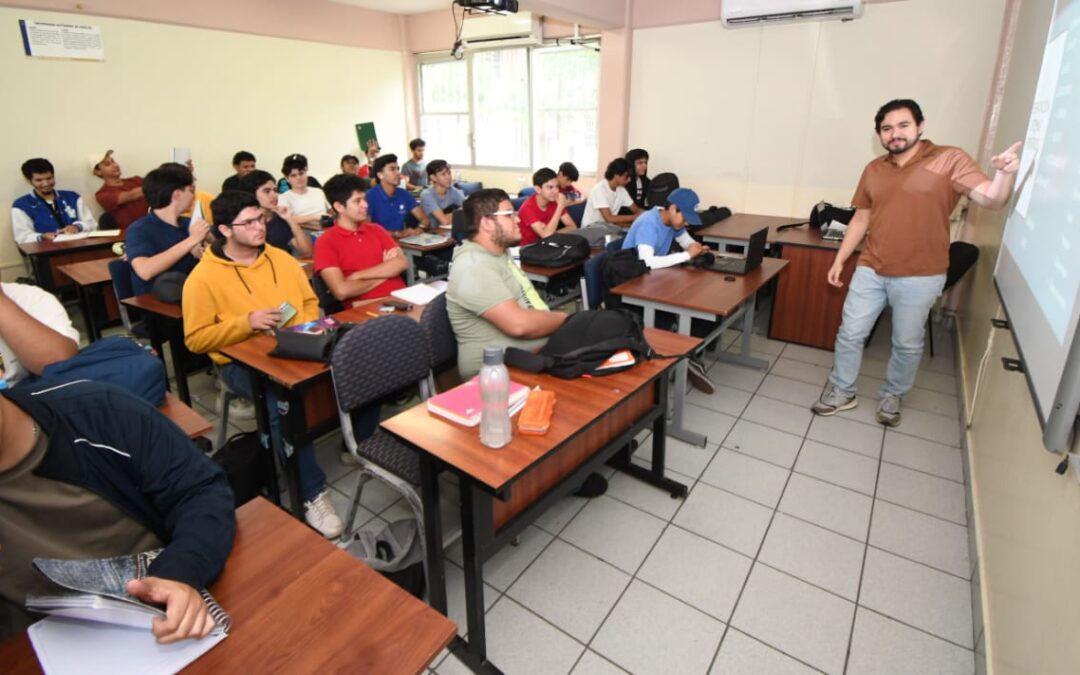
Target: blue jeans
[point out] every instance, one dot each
(911, 299)
(312, 478)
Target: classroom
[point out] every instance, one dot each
(805, 543)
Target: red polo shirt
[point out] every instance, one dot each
(351, 251)
(125, 214)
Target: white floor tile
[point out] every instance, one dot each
(818, 357)
(342, 502)
(914, 594)
(506, 565)
(646, 497)
(787, 417)
(922, 492)
(724, 518)
(926, 539)
(560, 514)
(815, 555)
(727, 400)
(923, 455)
(696, 571)
(681, 457)
(847, 434)
(926, 400)
(758, 343)
(789, 391)
(713, 424)
(865, 412)
(376, 497)
(829, 506)
(739, 377)
(939, 382)
(570, 588)
(881, 646)
(933, 427)
(764, 443)
(868, 385)
(839, 467)
(614, 532)
(747, 477)
(801, 371)
(592, 663)
(651, 632)
(778, 610)
(741, 654)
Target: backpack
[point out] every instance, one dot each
(117, 360)
(584, 342)
(825, 213)
(558, 250)
(714, 214)
(396, 552)
(660, 186)
(618, 267)
(246, 464)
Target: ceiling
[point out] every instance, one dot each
(398, 6)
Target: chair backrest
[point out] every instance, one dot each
(594, 280)
(440, 334)
(107, 222)
(377, 358)
(577, 212)
(962, 257)
(526, 192)
(469, 188)
(518, 201)
(120, 271)
(327, 302)
(457, 225)
(614, 245)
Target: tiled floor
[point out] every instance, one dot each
(805, 545)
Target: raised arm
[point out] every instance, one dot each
(994, 193)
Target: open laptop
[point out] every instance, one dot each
(755, 251)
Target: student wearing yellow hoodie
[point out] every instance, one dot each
(234, 292)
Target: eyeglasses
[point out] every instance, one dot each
(249, 221)
(508, 212)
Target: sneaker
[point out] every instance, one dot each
(888, 410)
(695, 372)
(319, 513)
(241, 409)
(833, 401)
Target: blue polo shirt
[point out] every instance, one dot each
(151, 235)
(648, 229)
(387, 211)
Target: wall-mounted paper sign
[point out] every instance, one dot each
(61, 40)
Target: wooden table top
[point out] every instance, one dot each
(740, 226)
(149, 303)
(89, 272)
(578, 402)
(449, 243)
(45, 247)
(191, 422)
(300, 604)
(701, 290)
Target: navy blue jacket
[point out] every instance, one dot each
(113, 443)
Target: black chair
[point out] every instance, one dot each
(577, 212)
(469, 188)
(107, 222)
(457, 225)
(526, 192)
(516, 202)
(442, 344)
(327, 302)
(962, 257)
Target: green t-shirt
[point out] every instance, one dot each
(480, 280)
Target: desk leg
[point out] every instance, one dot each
(433, 545)
(679, 397)
(744, 358)
(410, 271)
(476, 528)
(92, 333)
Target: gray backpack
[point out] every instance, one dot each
(395, 551)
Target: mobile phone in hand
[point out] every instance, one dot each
(287, 313)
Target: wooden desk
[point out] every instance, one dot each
(738, 227)
(300, 604)
(414, 251)
(701, 294)
(46, 257)
(165, 323)
(91, 277)
(184, 416)
(503, 490)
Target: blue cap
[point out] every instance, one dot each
(687, 201)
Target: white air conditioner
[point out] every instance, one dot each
(736, 13)
(521, 28)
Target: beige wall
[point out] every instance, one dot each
(163, 86)
(1025, 514)
(772, 119)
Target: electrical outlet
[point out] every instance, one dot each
(1074, 462)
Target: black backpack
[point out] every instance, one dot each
(556, 251)
(660, 186)
(583, 343)
(618, 267)
(247, 465)
(824, 213)
(714, 214)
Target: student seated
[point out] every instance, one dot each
(163, 241)
(638, 159)
(306, 202)
(45, 211)
(88, 470)
(388, 206)
(414, 170)
(655, 229)
(606, 200)
(243, 163)
(121, 198)
(544, 212)
(442, 198)
(357, 259)
(350, 164)
(235, 292)
(35, 331)
(568, 173)
(282, 228)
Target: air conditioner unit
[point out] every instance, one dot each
(503, 30)
(736, 13)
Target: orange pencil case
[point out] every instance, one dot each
(535, 418)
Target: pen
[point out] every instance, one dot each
(372, 314)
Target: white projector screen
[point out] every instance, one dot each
(1038, 269)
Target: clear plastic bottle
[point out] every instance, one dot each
(495, 396)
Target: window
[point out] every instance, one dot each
(519, 108)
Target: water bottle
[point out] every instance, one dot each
(495, 396)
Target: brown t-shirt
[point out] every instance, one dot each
(44, 518)
(910, 208)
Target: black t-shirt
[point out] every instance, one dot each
(278, 233)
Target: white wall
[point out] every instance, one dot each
(163, 86)
(772, 119)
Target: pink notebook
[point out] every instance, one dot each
(462, 403)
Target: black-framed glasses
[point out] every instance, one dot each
(250, 221)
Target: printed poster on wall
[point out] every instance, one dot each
(61, 40)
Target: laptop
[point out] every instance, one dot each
(755, 251)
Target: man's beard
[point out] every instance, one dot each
(907, 146)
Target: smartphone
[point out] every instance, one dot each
(287, 313)
(394, 305)
(181, 155)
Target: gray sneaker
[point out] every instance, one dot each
(888, 410)
(833, 401)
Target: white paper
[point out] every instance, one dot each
(419, 294)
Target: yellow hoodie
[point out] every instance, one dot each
(219, 294)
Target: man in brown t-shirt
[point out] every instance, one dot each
(903, 201)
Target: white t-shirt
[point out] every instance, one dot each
(44, 307)
(602, 196)
(311, 202)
